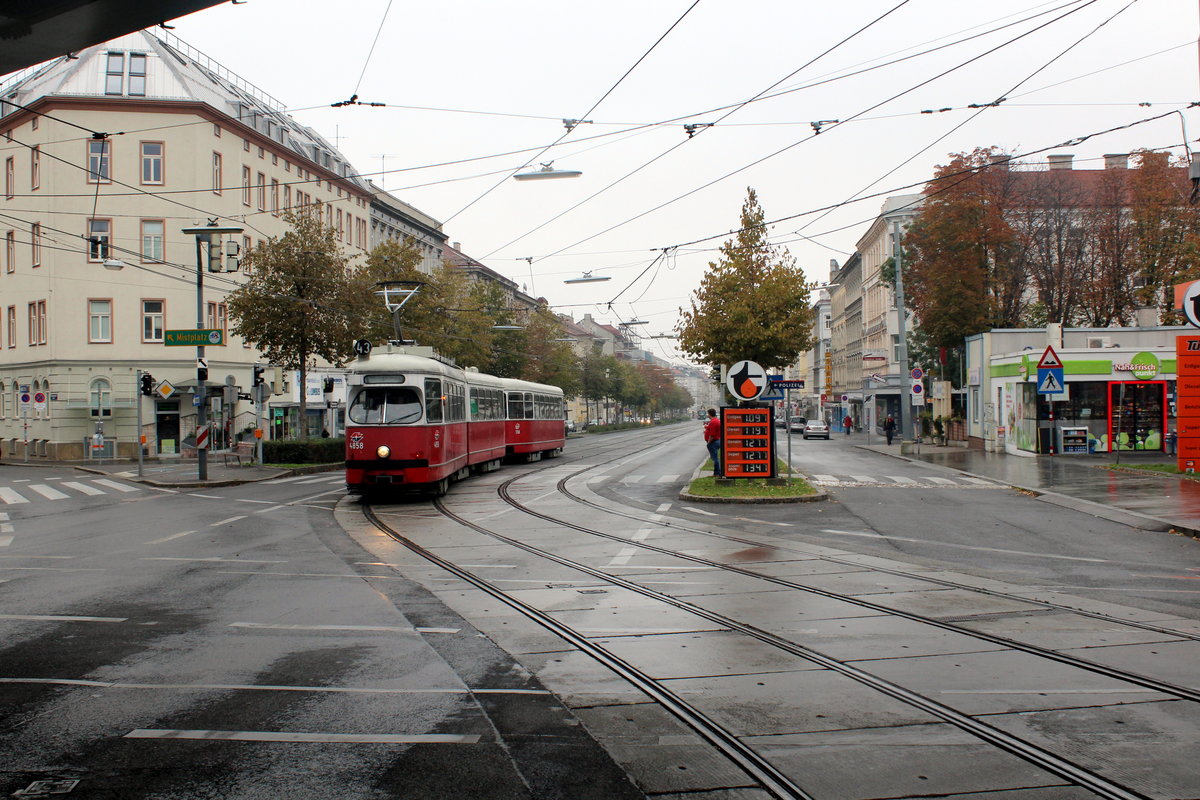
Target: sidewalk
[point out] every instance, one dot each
(179, 473)
(1143, 499)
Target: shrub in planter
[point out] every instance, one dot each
(304, 451)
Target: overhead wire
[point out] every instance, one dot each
(834, 125)
(571, 128)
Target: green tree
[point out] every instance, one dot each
(753, 303)
(293, 303)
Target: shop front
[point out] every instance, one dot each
(1121, 403)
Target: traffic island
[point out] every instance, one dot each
(707, 489)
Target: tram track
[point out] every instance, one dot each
(725, 740)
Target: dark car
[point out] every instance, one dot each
(796, 424)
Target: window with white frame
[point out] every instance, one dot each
(99, 239)
(100, 398)
(216, 316)
(12, 326)
(100, 320)
(35, 243)
(10, 251)
(262, 192)
(152, 239)
(246, 185)
(153, 320)
(10, 176)
(35, 166)
(99, 153)
(152, 162)
(216, 173)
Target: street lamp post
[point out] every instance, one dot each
(204, 235)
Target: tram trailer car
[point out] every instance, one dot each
(418, 422)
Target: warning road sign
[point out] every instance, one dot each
(1050, 360)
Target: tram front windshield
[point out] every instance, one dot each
(382, 405)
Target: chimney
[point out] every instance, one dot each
(1116, 160)
(457, 246)
(1000, 163)
(1060, 161)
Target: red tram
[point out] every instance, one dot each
(415, 421)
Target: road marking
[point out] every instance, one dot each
(321, 479)
(120, 487)
(172, 536)
(863, 478)
(633, 479)
(286, 736)
(286, 480)
(668, 479)
(227, 521)
(11, 496)
(826, 479)
(83, 488)
(901, 480)
(5, 541)
(264, 687)
(700, 511)
(272, 508)
(57, 618)
(263, 626)
(307, 575)
(970, 547)
(213, 560)
(941, 481)
(662, 509)
(980, 481)
(48, 492)
(4, 516)
(6, 527)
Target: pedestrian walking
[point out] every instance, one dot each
(889, 428)
(848, 423)
(712, 440)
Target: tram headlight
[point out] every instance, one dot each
(383, 451)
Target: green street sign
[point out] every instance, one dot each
(195, 338)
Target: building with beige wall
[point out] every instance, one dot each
(108, 157)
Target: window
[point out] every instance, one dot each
(434, 401)
(153, 318)
(246, 185)
(287, 197)
(341, 230)
(216, 130)
(10, 176)
(100, 398)
(36, 243)
(99, 320)
(216, 316)
(99, 239)
(137, 74)
(385, 404)
(152, 162)
(34, 333)
(274, 196)
(114, 77)
(99, 152)
(246, 145)
(262, 192)
(217, 181)
(248, 265)
(12, 326)
(41, 322)
(10, 251)
(152, 239)
(35, 167)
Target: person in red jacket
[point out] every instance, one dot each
(712, 440)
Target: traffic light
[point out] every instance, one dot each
(259, 369)
(327, 386)
(233, 253)
(147, 384)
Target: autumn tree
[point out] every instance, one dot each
(753, 303)
(293, 303)
(964, 270)
(1165, 229)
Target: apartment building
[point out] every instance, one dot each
(108, 156)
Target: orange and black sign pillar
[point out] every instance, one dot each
(1187, 402)
(747, 442)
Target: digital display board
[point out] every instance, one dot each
(748, 442)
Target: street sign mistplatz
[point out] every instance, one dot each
(747, 443)
(195, 337)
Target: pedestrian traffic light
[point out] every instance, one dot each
(259, 369)
(327, 386)
(147, 384)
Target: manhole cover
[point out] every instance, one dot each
(47, 788)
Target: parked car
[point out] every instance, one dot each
(816, 429)
(796, 424)
(570, 426)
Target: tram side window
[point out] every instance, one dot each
(433, 400)
(487, 404)
(457, 406)
(379, 404)
(549, 407)
(520, 405)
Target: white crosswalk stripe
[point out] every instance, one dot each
(902, 481)
(120, 487)
(47, 492)
(83, 488)
(825, 479)
(633, 479)
(941, 481)
(11, 496)
(668, 479)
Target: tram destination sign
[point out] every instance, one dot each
(195, 337)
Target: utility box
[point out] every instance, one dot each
(1073, 441)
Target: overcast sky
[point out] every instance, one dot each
(475, 90)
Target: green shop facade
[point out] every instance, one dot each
(1119, 390)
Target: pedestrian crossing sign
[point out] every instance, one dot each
(1050, 381)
